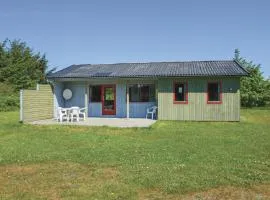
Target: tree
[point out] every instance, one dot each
(254, 88)
(20, 66)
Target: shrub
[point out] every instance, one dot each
(9, 99)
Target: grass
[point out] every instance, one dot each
(170, 160)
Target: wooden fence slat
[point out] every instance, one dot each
(37, 104)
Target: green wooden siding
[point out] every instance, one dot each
(197, 108)
(37, 104)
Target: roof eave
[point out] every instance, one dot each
(147, 76)
(240, 65)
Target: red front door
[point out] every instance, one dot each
(108, 100)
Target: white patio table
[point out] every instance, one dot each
(69, 112)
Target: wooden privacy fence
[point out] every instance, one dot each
(36, 104)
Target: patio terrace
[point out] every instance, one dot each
(96, 121)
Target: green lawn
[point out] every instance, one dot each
(172, 160)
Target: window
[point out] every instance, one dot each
(141, 93)
(214, 92)
(144, 93)
(181, 93)
(95, 93)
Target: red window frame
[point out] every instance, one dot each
(186, 92)
(220, 92)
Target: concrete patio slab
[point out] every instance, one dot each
(111, 122)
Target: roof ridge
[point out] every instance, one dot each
(190, 61)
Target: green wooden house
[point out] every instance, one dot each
(191, 91)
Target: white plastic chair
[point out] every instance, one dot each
(82, 112)
(152, 110)
(61, 114)
(74, 113)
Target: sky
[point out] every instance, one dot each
(115, 31)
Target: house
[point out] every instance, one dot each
(193, 91)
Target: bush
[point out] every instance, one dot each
(254, 90)
(9, 99)
(9, 103)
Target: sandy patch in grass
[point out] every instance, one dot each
(257, 192)
(64, 180)
(55, 181)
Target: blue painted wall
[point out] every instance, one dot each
(58, 99)
(121, 105)
(78, 94)
(95, 109)
(136, 110)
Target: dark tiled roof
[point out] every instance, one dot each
(153, 69)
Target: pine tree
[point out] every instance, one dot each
(20, 66)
